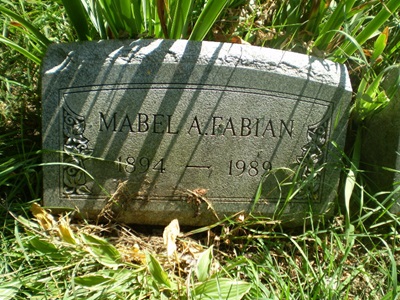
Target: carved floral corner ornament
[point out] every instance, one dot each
(312, 159)
(76, 151)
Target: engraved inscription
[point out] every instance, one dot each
(162, 145)
(256, 127)
(222, 126)
(252, 168)
(140, 165)
(141, 123)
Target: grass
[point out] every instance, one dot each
(117, 262)
(355, 255)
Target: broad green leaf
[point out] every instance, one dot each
(380, 44)
(373, 88)
(207, 19)
(27, 223)
(381, 99)
(361, 88)
(221, 288)
(352, 175)
(9, 289)
(92, 280)
(350, 239)
(157, 271)
(204, 265)
(367, 98)
(103, 251)
(43, 246)
(348, 190)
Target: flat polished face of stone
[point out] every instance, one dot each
(155, 130)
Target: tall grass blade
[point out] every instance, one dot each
(125, 12)
(78, 16)
(20, 49)
(138, 20)
(393, 273)
(93, 10)
(334, 22)
(20, 244)
(112, 31)
(207, 19)
(180, 18)
(343, 55)
(258, 194)
(123, 16)
(387, 10)
(28, 25)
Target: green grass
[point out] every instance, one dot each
(354, 255)
(107, 262)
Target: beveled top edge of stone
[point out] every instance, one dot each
(202, 53)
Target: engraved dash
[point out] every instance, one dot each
(198, 167)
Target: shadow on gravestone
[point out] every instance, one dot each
(381, 147)
(155, 130)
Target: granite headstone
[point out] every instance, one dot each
(152, 130)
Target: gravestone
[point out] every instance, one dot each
(152, 130)
(380, 152)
